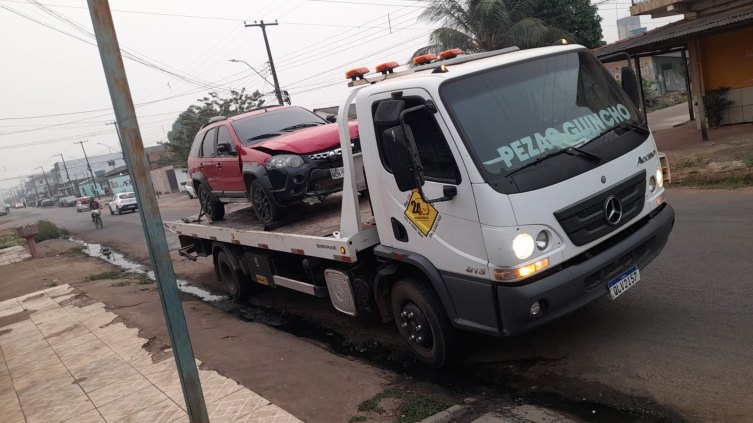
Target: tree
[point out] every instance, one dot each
(483, 25)
(188, 123)
(578, 17)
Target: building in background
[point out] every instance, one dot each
(716, 37)
(629, 26)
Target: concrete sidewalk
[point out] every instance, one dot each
(65, 358)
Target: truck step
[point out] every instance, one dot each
(306, 288)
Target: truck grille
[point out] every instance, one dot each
(586, 221)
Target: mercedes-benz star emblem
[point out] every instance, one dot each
(613, 210)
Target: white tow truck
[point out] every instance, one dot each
(504, 190)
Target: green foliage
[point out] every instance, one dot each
(48, 230)
(715, 101)
(113, 274)
(578, 17)
(357, 419)
(188, 123)
(9, 238)
(417, 407)
(748, 162)
(483, 25)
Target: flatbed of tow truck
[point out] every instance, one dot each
(311, 230)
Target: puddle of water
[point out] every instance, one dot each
(111, 256)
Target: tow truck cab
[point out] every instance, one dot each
(547, 184)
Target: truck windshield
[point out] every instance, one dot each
(512, 115)
(272, 123)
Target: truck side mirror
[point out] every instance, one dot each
(630, 84)
(399, 155)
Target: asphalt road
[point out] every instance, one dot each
(678, 343)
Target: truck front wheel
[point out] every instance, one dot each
(422, 321)
(231, 278)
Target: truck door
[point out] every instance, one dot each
(447, 233)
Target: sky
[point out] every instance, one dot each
(54, 93)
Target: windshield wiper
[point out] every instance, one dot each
(623, 125)
(573, 151)
(267, 135)
(301, 125)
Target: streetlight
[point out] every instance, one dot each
(287, 96)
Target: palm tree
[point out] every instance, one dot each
(484, 25)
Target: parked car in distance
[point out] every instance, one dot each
(46, 202)
(271, 156)
(18, 205)
(82, 204)
(125, 201)
(189, 190)
(68, 201)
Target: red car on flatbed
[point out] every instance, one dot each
(271, 156)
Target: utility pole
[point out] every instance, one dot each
(67, 176)
(117, 131)
(49, 190)
(88, 166)
(269, 54)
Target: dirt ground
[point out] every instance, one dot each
(727, 157)
(298, 374)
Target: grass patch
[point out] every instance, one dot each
(114, 274)
(9, 238)
(74, 251)
(140, 278)
(417, 407)
(412, 407)
(748, 161)
(121, 283)
(691, 163)
(372, 404)
(48, 230)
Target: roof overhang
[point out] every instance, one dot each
(675, 36)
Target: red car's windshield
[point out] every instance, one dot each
(258, 127)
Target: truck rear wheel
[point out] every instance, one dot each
(422, 321)
(214, 209)
(232, 279)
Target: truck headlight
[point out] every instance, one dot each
(284, 160)
(659, 177)
(523, 245)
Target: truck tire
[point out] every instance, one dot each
(267, 211)
(422, 321)
(235, 287)
(214, 209)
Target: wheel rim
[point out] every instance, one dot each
(262, 205)
(416, 327)
(205, 201)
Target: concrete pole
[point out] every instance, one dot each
(697, 85)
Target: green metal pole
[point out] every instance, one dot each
(151, 221)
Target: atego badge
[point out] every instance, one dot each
(422, 214)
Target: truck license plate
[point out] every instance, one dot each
(337, 172)
(622, 283)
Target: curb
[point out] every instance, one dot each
(447, 416)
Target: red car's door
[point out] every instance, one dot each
(229, 177)
(207, 157)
